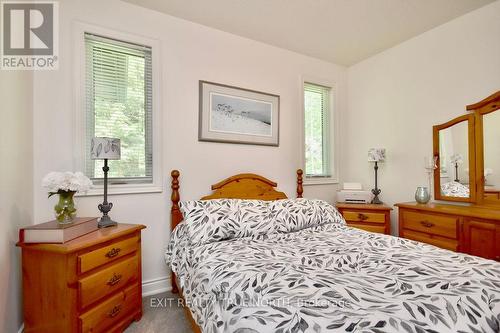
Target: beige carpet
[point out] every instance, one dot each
(161, 314)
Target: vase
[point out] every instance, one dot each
(422, 195)
(65, 208)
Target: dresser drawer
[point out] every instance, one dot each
(372, 228)
(108, 313)
(444, 243)
(445, 226)
(360, 216)
(96, 258)
(108, 280)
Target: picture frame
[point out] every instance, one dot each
(230, 114)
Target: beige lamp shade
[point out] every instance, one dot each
(102, 148)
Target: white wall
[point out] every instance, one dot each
(394, 99)
(16, 189)
(189, 53)
(397, 96)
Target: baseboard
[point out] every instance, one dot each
(156, 286)
(21, 329)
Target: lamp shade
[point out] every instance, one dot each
(376, 155)
(456, 158)
(102, 148)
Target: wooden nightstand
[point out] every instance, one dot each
(89, 284)
(369, 217)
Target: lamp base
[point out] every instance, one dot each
(376, 200)
(105, 221)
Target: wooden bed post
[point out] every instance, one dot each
(175, 214)
(175, 197)
(300, 190)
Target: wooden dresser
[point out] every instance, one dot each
(369, 217)
(90, 284)
(470, 229)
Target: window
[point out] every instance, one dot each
(118, 103)
(317, 109)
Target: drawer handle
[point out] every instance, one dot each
(115, 311)
(362, 217)
(427, 224)
(113, 252)
(114, 280)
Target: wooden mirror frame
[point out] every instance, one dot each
(487, 105)
(470, 119)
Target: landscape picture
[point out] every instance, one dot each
(231, 114)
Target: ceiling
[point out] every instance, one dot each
(340, 31)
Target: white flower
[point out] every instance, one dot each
(66, 181)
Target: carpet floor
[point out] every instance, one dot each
(161, 314)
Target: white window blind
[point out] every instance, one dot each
(119, 104)
(317, 130)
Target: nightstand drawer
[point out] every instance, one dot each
(360, 216)
(108, 313)
(107, 281)
(366, 227)
(445, 226)
(444, 243)
(96, 258)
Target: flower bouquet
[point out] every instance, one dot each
(66, 184)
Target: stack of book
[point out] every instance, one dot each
(54, 232)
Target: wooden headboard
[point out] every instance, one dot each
(242, 186)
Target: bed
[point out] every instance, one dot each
(455, 189)
(283, 265)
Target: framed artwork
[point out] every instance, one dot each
(236, 115)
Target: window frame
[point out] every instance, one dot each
(332, 139)
(80, 106)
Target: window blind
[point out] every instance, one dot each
(317, 130)
(119, 104)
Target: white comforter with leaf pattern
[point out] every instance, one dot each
(332, 278)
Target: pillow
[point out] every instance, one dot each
(296, 214)
(222, 219)
(209, 221)
(254, 218)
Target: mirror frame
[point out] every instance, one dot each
(487, 105)
(470, 119)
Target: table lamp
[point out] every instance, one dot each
(455, 160)
(376, 155)
(102, 148)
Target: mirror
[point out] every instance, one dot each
(491, 146)
(454, 147)
(467, 150)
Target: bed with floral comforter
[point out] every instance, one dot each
(294, 266)
(455, 189)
